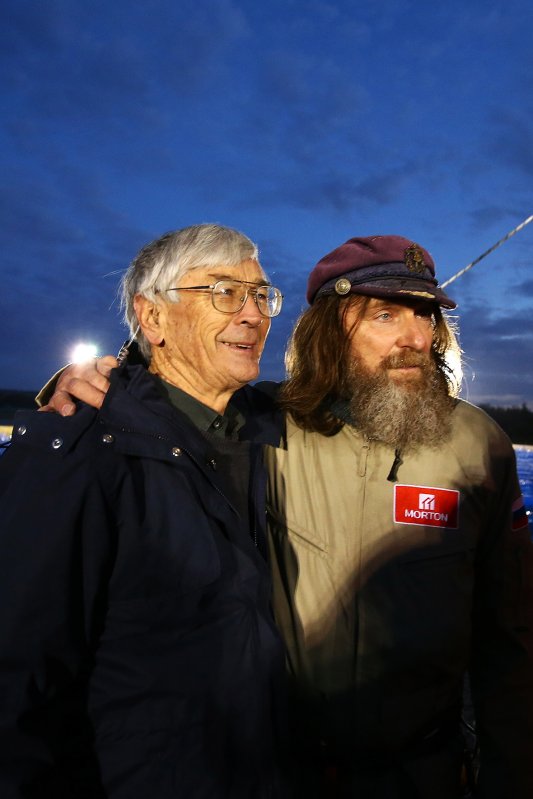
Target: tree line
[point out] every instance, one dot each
(517, 422)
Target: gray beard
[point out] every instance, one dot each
(407, 415)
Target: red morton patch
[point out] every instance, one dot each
(432, 507)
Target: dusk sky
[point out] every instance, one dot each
(300, 123)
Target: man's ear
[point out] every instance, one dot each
(151, 318)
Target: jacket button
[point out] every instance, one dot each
(21, 430)
(107, 438)
(57, 443)
(176, 451)
(213, 464)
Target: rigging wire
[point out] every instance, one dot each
(491, 249)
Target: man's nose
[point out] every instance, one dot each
(413, 333)
(250, 313)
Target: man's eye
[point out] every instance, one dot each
(261, 294)
(226, 291)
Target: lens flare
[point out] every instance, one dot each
(83, 352)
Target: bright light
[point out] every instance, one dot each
(83, 352)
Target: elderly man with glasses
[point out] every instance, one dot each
(139, 655)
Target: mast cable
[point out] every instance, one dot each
(483, 255)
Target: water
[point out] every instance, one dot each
(524, 459)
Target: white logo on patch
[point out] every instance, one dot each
(426, 502)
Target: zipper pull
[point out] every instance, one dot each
(393, 474)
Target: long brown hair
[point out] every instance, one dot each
(319, 349)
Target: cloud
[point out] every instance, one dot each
(525, 288)
(499, 351)
(74, 65)
(59, 247)
(487, 216)
(511, 142)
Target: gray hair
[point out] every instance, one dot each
(162, 263)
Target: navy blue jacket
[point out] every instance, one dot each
(138, 656)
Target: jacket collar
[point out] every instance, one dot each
(265, 422)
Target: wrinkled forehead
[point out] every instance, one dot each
(250, 271)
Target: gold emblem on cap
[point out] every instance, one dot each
(343, 286)
(414, 259)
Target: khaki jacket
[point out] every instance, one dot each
(388, 592)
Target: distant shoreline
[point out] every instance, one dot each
(527, 447)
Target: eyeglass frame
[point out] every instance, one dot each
(247, 292)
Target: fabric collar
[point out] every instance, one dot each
(225, 425)
(341, 409)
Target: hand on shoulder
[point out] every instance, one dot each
(88, 381)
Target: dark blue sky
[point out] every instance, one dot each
(300, 123)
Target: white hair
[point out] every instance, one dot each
(162, 263)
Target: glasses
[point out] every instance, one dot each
(229, 296)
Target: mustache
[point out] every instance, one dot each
(406, 359)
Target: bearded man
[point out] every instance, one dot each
(399, 544)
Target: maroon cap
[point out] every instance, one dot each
(377, 266)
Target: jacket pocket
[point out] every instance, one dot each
(300, 536)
